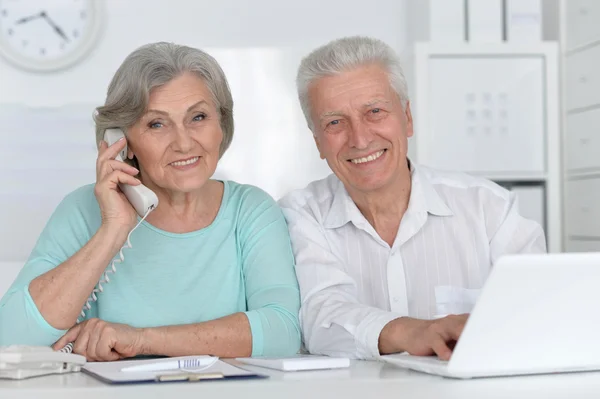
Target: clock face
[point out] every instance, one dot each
(47, 34)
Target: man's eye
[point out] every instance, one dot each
(375, 110)
(334, 122)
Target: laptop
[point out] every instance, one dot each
(536, 314)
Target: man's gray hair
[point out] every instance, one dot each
(346, 54)
(154, 65)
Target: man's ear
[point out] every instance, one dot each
(318, 146)
(409, 120)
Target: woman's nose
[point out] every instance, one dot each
(183, 141)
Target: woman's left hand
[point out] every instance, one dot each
(99, 340)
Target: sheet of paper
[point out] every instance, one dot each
(112, 370)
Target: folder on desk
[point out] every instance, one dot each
(111, 372)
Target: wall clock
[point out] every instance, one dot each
(48, 35)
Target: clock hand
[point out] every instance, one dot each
(29, 18)
(61, 32)
(56, 28)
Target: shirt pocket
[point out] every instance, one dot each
(454, 300)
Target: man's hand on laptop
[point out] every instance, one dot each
(422, 337)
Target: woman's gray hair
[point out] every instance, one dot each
(154, 65)
(347, 54)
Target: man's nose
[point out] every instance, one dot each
(359, 136)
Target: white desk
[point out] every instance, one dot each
(363, 380)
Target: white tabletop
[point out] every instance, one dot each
(362, 380)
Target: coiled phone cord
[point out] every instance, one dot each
(104, 279)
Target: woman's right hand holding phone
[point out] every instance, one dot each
(115, 209)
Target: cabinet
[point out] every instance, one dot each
(580, 59)
(493, 111)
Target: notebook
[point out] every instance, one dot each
(111, 372)
(298, 363)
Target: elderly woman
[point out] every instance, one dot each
(210, 271)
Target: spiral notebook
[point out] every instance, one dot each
(112, 372)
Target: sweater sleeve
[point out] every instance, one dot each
(272, 294)
(71, 225)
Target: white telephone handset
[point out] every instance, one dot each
(18, 362)
(141, 197)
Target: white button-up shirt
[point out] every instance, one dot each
(352, 283)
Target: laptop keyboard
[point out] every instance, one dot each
(427, 364)
(432, 360)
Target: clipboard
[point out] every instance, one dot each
(110, 372)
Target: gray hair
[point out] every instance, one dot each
(154, 65)
(343, 55)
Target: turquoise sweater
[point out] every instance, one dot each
(242, 262)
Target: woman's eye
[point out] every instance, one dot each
(199, 117)
(155, 125)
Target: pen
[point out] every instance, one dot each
(190, 377)
(194, 364)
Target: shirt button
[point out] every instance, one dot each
(396, 299)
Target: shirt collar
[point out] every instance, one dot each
(342, 210)
(423, 198)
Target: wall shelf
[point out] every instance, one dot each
(492, 110)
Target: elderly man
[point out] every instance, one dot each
(390, 255)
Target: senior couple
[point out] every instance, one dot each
(382, 256)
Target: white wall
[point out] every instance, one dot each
(258, 43)
(8, 272)
(288, 28)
